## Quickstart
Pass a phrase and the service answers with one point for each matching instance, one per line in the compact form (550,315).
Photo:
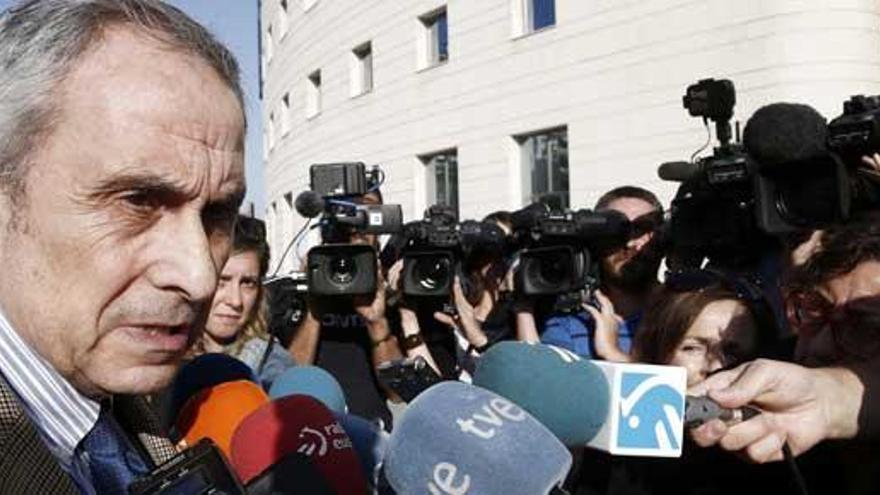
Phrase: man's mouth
(163,338)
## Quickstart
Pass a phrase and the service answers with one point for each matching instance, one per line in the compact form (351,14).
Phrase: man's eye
(141,200)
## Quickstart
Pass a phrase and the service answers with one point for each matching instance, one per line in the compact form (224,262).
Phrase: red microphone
(297,424)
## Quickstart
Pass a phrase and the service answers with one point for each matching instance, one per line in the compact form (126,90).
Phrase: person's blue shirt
(575,332)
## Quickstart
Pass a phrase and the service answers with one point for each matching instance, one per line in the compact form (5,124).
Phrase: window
(308,4)
(362,69)
(545,167)
(442,178)
(282,21)
(285,114)
(434,40)
(533,15)
(270,131)
(268,48)
(313,94)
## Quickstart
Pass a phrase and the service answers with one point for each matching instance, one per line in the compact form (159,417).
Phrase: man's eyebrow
(148,183)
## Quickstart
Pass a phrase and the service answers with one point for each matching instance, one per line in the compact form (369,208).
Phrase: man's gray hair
(41,41)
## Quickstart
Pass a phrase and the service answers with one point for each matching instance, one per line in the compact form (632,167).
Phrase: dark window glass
(543,13)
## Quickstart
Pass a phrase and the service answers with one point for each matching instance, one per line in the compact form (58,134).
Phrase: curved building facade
(488,104)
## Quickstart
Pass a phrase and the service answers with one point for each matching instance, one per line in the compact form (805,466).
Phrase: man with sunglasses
(627,276)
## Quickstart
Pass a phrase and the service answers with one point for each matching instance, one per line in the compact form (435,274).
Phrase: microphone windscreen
(297,423)
(215,412)
(309,204)
(312,381)
(567,394)
(294,474)
(458,438)
(678,171)
(369,440)
(785,133)
(203,372)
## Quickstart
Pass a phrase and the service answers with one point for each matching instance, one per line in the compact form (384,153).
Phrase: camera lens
(551,270)
(433,273)
(342,270)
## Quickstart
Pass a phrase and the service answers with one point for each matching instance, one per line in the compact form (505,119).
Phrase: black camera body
(286,296)
(715,213)
(339,268)
(857,132)
(561,248)
(436,247)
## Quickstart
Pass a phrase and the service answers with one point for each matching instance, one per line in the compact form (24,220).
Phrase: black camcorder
(791,173)
(562,248)
(435,248)
(340,267)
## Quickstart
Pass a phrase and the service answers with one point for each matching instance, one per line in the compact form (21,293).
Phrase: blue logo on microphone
(651,412)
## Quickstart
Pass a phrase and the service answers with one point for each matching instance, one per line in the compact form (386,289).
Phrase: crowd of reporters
(369,326)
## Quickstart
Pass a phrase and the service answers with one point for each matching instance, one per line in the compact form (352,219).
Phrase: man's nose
(184,261)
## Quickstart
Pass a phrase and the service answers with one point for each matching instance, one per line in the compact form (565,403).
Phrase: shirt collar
(62,414)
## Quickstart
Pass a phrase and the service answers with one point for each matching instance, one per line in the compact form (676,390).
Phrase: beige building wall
(611,71)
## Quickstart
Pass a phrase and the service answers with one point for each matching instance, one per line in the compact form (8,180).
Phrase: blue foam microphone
(567,394)
(623,408)
(312,381)
(456,438)
(370,442)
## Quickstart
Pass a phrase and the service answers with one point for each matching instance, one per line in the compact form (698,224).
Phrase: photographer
(349,337)
(627,277)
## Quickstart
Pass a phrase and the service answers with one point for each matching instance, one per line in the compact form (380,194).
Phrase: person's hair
(628,192)
(842,249)
(41,42)
(669,315)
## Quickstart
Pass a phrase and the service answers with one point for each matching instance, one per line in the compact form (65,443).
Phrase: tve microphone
(456,438)
(309,204)
(205,371)
(312,381)
(297,424)
(567,394)
(215,412)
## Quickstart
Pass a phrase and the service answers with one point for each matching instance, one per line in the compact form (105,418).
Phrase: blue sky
(235,23)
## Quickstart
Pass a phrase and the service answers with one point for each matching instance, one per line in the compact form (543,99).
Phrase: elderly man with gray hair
(121,172)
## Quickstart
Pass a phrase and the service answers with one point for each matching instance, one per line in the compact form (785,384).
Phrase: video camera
(562,248)
(712,214)
(435,248)
(791,174)
(339,267)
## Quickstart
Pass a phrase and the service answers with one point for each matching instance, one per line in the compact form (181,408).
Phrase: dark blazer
(26,464)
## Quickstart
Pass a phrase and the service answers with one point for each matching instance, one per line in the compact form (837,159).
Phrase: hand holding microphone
(799,407)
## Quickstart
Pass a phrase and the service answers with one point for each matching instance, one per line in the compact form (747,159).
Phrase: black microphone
(699,410)
(782,133)
(200,469)
(678,171)
(309,204)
